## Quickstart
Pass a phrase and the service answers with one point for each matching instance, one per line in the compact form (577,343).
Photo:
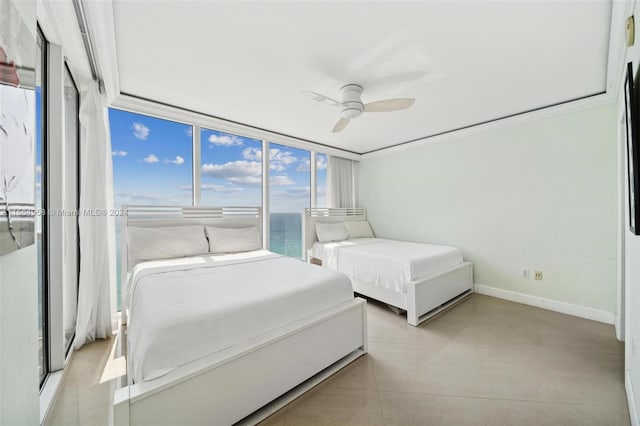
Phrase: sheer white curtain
(341,182)
(96,313)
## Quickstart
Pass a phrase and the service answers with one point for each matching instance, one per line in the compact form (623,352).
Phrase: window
(152,164)
(71,247)
(41,204)
(231,172)
(289,195)
(322,160)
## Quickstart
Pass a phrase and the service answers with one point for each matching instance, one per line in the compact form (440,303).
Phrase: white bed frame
(247,382)
(424,298)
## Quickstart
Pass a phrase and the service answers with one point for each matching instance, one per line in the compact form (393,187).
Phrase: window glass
(152,164)
(289,195)
(41,241)
(231,172)
(70,224)
(321,179)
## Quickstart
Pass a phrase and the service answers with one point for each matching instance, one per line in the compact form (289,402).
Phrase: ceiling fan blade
(341,124)
(324,99)
(389,105)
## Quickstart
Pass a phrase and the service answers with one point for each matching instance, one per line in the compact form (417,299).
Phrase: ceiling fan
(352,107)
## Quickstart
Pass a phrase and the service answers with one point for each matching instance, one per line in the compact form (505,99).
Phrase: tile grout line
(444,395)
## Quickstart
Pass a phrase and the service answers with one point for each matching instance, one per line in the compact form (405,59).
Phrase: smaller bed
(423,279)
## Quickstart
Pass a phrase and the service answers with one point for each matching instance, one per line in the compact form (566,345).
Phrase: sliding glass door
(71,249)
(41,206)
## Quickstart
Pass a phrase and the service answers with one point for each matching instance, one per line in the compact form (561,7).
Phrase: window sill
(49,392)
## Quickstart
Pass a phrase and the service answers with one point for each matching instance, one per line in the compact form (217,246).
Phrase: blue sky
(151,159)
(38,199)
(152,162)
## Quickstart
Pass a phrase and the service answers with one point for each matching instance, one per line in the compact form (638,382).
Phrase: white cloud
(321,162)
(213,188)
(178,160)
(296,193)
(247,180)
(221,188)
(140,131)
(39,170)
(280,181)
(119,153)
(283,158)
(225,140)
(189,131)
(135,198)
(253,154)
(305,166)
(278,160)
(150,159)
(240,172)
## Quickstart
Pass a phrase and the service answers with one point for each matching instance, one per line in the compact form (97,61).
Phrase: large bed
(422,279)
(216,338)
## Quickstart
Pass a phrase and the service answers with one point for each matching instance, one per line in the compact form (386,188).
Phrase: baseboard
(550,304)
(619,326)
(631,400)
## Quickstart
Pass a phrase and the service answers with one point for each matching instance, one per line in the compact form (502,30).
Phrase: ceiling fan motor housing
(353,106)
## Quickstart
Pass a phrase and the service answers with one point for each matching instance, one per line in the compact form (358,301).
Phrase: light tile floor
(86,394)
(484,362)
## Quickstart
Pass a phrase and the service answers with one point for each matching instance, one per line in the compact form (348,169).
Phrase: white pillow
(327,232)
(233,240)
(360,229)
(164,242)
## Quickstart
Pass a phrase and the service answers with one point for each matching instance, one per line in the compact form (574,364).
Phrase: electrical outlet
(537,275)
(524,273)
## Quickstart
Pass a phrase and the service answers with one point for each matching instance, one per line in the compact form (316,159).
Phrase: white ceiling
(464,62)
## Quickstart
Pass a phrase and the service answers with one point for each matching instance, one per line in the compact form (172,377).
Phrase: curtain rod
(88,46)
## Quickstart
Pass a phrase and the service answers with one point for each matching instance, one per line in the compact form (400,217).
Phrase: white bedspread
(184,309)
(387,263)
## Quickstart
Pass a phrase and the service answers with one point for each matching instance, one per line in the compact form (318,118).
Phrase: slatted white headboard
(157,216)
(327,215)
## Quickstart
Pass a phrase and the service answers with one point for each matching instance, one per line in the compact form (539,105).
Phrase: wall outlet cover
(537,275)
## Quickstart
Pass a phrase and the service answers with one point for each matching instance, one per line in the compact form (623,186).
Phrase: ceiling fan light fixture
(351,105)
(352,111)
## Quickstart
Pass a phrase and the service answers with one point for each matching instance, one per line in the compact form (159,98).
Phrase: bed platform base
(251,381)
(427,297)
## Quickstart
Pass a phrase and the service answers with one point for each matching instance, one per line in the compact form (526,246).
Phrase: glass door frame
(44,244)
(77,206)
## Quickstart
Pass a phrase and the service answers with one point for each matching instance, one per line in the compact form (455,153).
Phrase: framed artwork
(633,150)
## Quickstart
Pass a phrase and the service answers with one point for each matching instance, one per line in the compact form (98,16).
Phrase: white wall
(540,195)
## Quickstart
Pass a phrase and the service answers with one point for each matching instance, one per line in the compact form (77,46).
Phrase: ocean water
(285,234)
(285,237)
